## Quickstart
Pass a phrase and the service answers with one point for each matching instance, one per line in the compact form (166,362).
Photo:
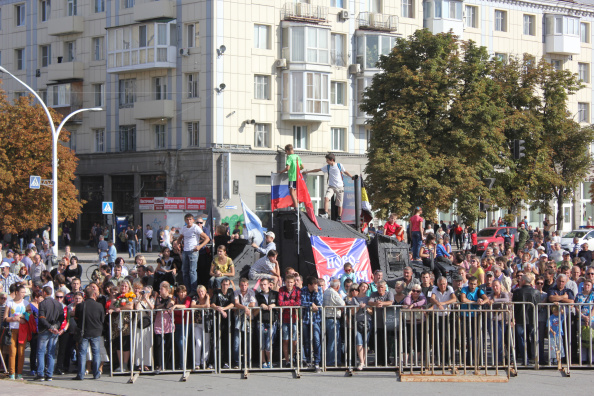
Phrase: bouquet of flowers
(124,299)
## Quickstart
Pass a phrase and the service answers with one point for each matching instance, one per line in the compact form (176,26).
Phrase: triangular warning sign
(35,182)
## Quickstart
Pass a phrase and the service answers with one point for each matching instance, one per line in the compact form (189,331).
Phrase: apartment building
(200,96)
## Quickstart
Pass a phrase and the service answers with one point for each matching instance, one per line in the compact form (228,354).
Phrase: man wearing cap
(268,244)
(6,278)
(566,260)
(487,286)
(586,254)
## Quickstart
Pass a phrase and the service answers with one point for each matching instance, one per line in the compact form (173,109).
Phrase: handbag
(6,334)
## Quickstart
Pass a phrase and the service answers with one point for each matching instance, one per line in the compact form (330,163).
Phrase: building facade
(200,96)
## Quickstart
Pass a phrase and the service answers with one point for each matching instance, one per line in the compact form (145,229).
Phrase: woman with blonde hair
(203,322)
(120,327)
(221,268)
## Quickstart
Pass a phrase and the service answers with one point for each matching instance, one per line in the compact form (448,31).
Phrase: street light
(55,135)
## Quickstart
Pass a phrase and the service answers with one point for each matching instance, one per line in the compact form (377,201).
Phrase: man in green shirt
(291,169)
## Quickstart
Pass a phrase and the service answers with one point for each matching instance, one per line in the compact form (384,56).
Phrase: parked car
(494,235)
(583,235)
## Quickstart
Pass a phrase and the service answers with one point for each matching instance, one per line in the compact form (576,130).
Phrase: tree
(26,150)
(438,126)
(562,151)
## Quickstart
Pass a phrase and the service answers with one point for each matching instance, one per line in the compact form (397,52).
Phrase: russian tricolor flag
(279,194)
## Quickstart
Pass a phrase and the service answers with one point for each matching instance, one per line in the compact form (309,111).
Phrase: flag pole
(272,211)
(297,208)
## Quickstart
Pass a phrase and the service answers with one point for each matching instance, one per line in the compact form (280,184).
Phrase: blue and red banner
(331,254)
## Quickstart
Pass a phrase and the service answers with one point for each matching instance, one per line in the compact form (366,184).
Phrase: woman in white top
(47,280)
(16,314)
(149,238)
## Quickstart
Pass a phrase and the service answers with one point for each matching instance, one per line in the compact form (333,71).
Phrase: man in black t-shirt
(267,300)
(132,239)
(223,300)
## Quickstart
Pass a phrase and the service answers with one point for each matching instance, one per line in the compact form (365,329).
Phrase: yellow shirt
(224,268)
(477,273)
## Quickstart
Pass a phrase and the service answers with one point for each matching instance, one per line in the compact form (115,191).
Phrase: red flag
(303,196)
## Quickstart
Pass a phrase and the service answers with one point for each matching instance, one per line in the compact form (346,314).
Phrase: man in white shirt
(193,240)
(335,173)
(333,334)
(441,297)
(245,298)
(268,244)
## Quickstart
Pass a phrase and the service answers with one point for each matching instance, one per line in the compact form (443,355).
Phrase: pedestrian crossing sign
(107,207)
(35,182)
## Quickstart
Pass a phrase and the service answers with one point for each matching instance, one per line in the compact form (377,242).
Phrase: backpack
(339,168)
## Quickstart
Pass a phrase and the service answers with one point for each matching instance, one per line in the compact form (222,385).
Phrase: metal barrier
(410,341)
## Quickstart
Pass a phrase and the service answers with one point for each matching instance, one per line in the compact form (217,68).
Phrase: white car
(583,235)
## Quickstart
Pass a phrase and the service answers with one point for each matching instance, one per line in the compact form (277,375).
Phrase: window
(307,44)
(455,10)
(99,94)
(19,94)
(300,137)
(99,5)
(19,15)
(160,136)
(306,93)
(263,208)
(556,64)
(71,7)
(126,92)
(193,134)
(583,112)
(44,10)
(69,51)
(142,36)
(46,55)
(262,36)
(127,3)
(584,32)
(160,86)
(562,25)
(584,72)
(127,138)
(317,45)
(338,138)
(471,16)
(192,31)
(60,95)
(337,53)
(262,87)
(97,43)
(337,3)
(263,180)
(262,135)
(529,25)
(43,95)
(407,9)
(500,21)
(337,91)
(501,57)
(99,140)
(370,47)
(19,55)
(192,84)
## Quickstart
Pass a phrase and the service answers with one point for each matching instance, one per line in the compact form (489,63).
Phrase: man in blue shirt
(472,297)
(111,253)
(312,300)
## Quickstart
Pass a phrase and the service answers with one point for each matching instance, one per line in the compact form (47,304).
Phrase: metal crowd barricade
(455,341)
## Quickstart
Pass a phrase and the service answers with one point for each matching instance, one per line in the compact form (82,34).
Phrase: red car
(489,235)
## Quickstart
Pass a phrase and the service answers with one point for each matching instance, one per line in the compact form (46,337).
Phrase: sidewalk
(27,388)
(88,255)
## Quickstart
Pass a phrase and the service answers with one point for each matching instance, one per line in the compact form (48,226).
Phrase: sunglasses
(415,291)
(540,283)
(59,296)
(200,223)
(355,290)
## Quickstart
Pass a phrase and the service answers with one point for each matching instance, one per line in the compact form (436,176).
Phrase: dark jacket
(272,299)
(524,313)
(51,315)
(94,315)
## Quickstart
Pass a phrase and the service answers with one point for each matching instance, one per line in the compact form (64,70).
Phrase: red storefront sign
(172,203)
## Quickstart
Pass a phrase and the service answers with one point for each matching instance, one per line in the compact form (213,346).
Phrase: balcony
(154,109)
(562,35)
(66,25)
(66,71)
(141,47)
(305,96)
(150,10)
(65,98)
(304,12)
(375,21)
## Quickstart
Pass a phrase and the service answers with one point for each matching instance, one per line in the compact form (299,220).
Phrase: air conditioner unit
(301,9)
(374,19)
(355,68)
(184,51)
(281,63)
(343,15)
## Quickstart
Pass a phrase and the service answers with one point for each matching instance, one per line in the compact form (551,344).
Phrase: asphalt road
(330,383)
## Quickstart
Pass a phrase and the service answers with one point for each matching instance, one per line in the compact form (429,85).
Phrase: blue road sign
(35,182)
(107,207)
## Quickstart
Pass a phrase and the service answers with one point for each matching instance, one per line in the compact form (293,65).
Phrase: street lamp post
(55,136)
